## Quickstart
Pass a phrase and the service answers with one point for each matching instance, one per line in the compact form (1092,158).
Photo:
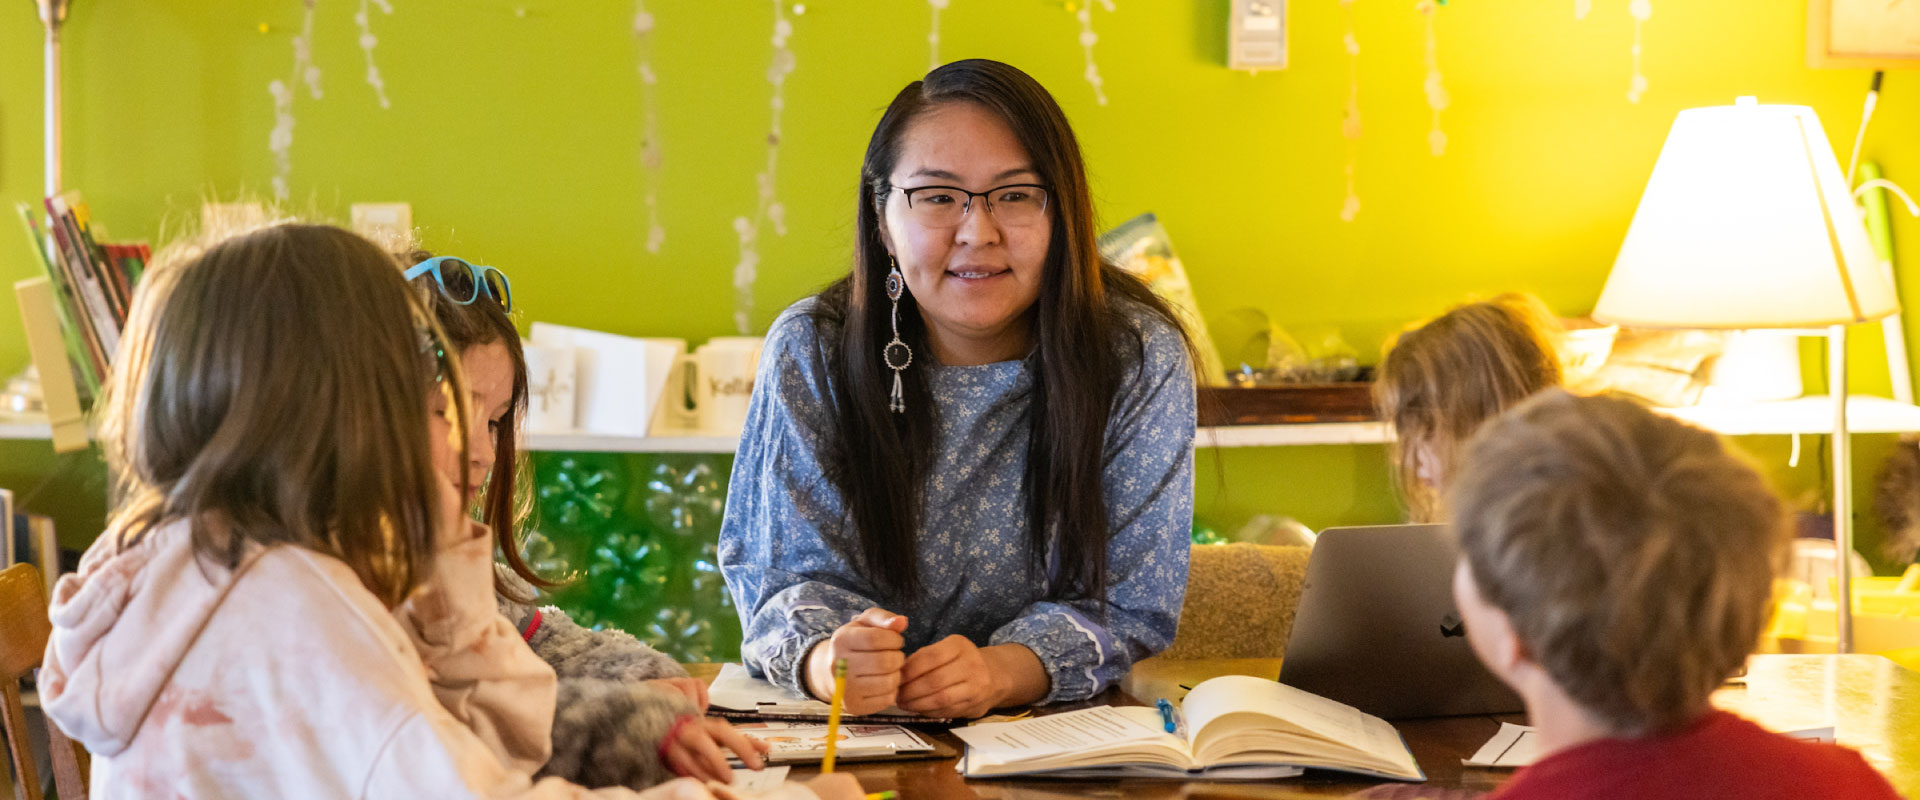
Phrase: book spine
(86,280)
(115,259)
(46,548)
(80,354)
(81,218)
(10,551)
(64,274)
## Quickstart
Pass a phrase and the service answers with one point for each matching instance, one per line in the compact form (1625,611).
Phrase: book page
(1328,719)
(1055,734)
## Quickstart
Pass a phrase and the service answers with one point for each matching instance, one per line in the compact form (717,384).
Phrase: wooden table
(1873,704)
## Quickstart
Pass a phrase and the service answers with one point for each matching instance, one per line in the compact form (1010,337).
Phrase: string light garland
(1083,11)
(1350,120)
(1436,88)
(933,35)
(280,140)
(651,158)
(1641,10)
(367,42)
(768,210)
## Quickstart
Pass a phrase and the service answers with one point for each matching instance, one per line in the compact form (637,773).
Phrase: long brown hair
(1439,381)
(1085,348)
(483,322)
(268,390)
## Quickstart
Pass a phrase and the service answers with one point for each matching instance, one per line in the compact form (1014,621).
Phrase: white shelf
(1305,433)
(24,428)
(1805,415)
(581,442)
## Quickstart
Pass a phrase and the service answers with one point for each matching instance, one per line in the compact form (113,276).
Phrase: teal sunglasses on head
(469,280)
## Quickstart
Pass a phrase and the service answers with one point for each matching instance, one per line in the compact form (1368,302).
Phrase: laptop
(1377,628)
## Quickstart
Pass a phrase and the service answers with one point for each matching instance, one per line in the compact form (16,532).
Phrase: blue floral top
(793,589)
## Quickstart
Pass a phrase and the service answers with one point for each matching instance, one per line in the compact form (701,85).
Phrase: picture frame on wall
(1863,34)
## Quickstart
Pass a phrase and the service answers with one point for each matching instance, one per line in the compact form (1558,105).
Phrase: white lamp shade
(1746,223)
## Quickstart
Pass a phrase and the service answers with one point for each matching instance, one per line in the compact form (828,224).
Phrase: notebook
(1234,728)
(735,694)
(806,742)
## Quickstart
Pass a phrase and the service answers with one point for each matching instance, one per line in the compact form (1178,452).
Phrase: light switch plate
(1257,35)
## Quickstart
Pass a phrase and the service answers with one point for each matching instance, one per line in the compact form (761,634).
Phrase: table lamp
(1748,223)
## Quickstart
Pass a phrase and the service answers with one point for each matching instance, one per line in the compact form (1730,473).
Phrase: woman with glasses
(967,471)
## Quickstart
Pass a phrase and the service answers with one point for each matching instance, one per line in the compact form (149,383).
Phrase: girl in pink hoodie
(284,570)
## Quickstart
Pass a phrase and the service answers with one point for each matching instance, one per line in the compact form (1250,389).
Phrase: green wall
(516,138)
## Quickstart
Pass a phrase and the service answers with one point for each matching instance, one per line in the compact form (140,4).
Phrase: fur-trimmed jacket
(608,723)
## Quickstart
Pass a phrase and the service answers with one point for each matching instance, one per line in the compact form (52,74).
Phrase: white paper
(1513,746)
(735,690)
(1822,734)
(747,781)
(550,395)
(617,379)
(1519,745)
(1055,734)
(662,354)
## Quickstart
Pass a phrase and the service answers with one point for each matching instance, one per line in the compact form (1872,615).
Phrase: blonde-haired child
(1616,567)
(1438,381)
(284,567)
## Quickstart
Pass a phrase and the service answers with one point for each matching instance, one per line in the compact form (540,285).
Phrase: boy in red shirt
(1616,568)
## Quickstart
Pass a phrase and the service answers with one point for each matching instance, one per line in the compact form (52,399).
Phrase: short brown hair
(1633,553)
(1440,380)
(269,389)
(481,322)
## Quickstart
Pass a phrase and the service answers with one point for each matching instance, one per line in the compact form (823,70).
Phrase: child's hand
(949,678)
(871,644)
(838,786)
(454,526)
(694,750)
(693,688)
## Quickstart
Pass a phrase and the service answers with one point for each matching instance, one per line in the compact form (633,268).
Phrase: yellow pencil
(833,713)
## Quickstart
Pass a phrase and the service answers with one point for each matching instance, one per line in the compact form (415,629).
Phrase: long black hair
(1084,348)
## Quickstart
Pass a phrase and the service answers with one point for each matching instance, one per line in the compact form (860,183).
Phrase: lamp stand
(53,14)
(1842,489)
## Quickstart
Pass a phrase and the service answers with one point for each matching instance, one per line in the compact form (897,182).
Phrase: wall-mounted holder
(1257,35)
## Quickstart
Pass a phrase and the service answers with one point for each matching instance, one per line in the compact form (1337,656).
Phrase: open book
(1236,727)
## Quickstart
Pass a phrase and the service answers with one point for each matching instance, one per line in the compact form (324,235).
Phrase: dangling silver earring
(896,350)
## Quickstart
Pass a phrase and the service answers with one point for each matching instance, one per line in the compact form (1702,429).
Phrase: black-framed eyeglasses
(463,282)
(1015,204)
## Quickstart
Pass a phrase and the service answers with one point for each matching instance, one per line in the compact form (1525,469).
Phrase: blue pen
(1166,715)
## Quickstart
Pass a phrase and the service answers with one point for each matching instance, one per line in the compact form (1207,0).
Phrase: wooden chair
(23,641)
(1240,601)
